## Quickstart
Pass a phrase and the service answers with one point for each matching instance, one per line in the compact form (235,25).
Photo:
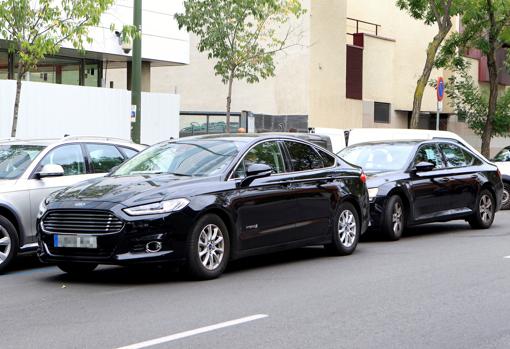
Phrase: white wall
(51,111)
(162,40)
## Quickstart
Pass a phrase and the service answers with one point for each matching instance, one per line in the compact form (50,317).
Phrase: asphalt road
(441,286)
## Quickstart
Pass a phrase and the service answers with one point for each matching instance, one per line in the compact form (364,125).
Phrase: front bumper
(127,246)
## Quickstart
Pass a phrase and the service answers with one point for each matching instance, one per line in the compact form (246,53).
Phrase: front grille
(81,221)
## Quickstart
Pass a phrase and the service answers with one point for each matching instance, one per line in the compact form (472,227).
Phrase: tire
(208,248)
(345,231)
(9,243)
(394,218)
(485,211)
(77,268)
(505,203)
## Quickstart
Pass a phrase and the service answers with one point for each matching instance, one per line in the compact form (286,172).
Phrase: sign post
(440,95)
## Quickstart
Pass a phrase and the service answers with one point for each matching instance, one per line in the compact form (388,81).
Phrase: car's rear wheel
(9,243)
(505,201)
(208,248)
(394,219)
(346,230)
(77,268)
(485,211)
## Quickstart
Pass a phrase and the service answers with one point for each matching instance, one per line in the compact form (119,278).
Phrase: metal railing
(358,21)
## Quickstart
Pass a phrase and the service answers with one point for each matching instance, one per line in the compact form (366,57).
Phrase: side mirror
(51,171)
(424,166)
(254,172)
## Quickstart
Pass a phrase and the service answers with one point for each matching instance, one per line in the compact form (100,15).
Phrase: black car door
(265,209)
(429,189)
(463,178)
(313,188)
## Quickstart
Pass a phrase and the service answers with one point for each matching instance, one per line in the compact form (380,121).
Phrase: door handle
(474,176)
(444,180)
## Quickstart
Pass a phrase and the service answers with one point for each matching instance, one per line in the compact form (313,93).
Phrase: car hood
(131,190)
(376,179)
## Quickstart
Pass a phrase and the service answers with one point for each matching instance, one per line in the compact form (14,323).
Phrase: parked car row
(203,201)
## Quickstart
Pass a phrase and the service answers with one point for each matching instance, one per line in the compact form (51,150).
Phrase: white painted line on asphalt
(201,330)
(507,257)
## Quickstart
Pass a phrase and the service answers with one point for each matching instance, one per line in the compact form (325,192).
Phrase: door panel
(430,190)
(266,208)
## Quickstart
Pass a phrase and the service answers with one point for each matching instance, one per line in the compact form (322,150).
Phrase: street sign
(440,89)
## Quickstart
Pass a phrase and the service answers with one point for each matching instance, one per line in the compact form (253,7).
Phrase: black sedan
(203,201)
(415,182)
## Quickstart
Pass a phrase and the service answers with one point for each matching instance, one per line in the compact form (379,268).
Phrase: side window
(70,157)
(104,157)
(328,160)
(267,153)
(471,160)
(129,152)
(303,157)
(455,156)
(429,153)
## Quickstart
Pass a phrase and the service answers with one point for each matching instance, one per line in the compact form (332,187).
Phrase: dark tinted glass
(104,157)
(129,152)
(503,155)
(303,157)
(267,153)
(327,159)
(455,156)
(429,153)
(70,157)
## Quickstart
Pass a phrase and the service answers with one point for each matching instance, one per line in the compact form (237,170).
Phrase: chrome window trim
(231,172)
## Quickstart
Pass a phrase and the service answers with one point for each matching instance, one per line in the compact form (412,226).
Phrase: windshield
(15,159)
(503,155)
(183,158)
(378,157)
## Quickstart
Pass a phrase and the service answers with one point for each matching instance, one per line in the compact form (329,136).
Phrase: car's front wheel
(77,268)
(208,248)
(505,201)
(394,219)
(485,211)
(346,230)
(8,243)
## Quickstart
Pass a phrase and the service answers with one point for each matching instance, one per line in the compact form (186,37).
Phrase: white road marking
(507,257)
(181,335)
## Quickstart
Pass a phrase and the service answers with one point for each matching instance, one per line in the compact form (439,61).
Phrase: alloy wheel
(5,244)
(347,228)
(486,209)
(505,198)
(397,217)
(211,246)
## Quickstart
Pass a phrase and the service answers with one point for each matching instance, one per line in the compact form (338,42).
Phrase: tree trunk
(229,98)
(493,83)
(14,128)
(425,75)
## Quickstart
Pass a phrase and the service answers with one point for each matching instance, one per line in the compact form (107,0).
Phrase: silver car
(30,170)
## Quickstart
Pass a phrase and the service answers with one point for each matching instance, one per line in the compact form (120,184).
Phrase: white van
(342,138)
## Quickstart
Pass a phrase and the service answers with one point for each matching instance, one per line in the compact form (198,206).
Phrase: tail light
(363,177)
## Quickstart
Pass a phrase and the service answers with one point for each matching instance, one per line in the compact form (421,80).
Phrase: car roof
(248,137)
(68,139)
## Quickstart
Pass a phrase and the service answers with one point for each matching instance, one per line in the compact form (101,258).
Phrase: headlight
(158,207)
(372,192)
(42,208)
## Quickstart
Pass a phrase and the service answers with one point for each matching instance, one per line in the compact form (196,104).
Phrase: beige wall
(201,90)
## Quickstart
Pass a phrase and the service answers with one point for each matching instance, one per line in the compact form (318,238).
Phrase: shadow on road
(25,263)
(419,231)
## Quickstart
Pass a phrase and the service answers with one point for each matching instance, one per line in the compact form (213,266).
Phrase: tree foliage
(37,28)
(242,36)
(439,12)
(486,28)
(471,102)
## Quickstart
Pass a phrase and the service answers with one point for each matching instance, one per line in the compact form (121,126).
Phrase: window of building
(382,112)
(4,65)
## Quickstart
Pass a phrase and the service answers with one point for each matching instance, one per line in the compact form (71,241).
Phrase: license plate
(75,241)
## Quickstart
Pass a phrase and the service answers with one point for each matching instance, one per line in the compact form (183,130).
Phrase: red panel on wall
(354,72)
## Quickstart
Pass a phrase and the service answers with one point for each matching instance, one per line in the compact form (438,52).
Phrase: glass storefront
(58,70)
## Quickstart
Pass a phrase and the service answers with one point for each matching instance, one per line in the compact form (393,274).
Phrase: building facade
(356,66)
